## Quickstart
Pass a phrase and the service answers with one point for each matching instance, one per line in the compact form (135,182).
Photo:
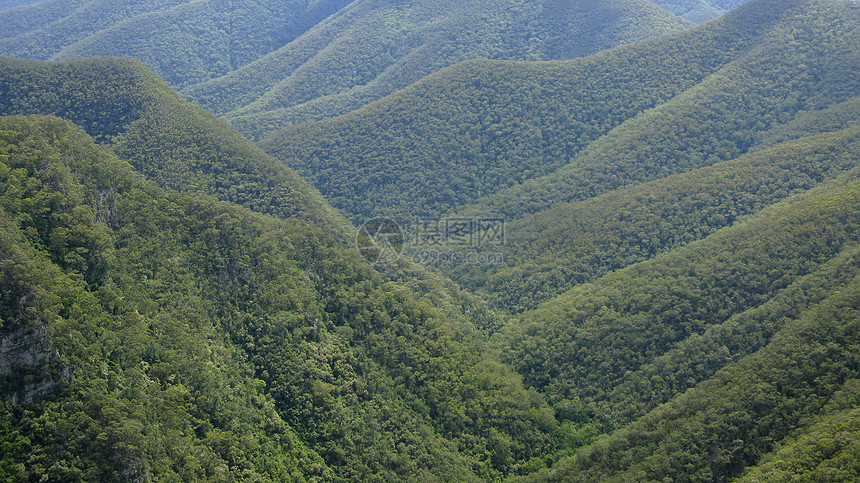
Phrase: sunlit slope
(122,103)
(183,41)
(509,139)
(370,49)
(142,325)
(573,243)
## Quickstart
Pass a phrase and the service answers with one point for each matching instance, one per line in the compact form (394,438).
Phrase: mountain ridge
(675,296)
(263,64)
(507,139)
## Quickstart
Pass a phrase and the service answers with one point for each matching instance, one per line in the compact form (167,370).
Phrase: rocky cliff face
(30,366)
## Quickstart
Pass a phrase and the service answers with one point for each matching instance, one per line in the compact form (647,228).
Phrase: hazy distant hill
(184,41)
(274,63)
(509,138)
(699,10)
(4,4)
(372,48)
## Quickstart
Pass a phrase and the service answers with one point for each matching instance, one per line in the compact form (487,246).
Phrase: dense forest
(172,326)
(442,324)
(177,144)
(548,253)
(510,139)
(699,10)
(376,47)
(675,286)
(224,36)
(264,64)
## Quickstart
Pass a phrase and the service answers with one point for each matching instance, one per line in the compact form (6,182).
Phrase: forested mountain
(710,295)
(675,297)
(372,48)
(801,390)
(313,60)
(694,200)
(129,310)
(550,252)
(699,10)
(523,137)
(175,143)
(102,378)
(184,41)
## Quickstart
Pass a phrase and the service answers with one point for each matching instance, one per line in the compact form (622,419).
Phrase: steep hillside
(678,278)
(146,326)
(184,41)
(682,293)
(108,377)
(691,328)
(548,253)
(699,10)
(801,391)
(398,355)
(508,139)
(829,448)
(798,67)
(372,48)
(122,103)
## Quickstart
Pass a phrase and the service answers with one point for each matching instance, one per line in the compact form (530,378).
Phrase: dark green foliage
(830,119)
(147,386)
(548,253)
(179,145)
(101,95)
(717,430)
(184,41)
(156,300)
(829,450)
(508,139)
(587,342)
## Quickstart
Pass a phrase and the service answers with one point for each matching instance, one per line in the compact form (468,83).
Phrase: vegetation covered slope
(690,328)
(550,252)
(122,103)
(800,390)
(174,336)
(312,60)
(679,294)
(707,328)
(508,139)
(699,10)
(111,378)
(372,48)
(184,41)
